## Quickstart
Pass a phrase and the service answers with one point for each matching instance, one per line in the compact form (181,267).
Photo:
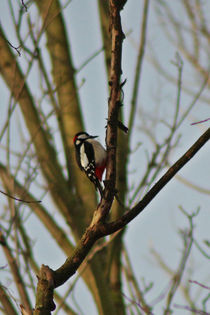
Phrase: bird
(91,158)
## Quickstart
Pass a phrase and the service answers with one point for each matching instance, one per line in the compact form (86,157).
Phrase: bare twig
(194,311)
(200,284)
(201,250)
(15,48)
(188,241)
(200,122)
(154,166)
(132,279)
(137,303)
(24,5)
(138,67)
(193,185)
(19,199)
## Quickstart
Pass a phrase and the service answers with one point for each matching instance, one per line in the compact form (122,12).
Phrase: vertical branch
(117,37)
(114,99)
(104,20)
(138,66)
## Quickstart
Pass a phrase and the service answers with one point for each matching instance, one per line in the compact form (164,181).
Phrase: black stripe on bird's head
(83,136)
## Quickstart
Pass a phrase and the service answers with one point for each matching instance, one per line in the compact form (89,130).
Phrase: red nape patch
(99,171)
(75,137)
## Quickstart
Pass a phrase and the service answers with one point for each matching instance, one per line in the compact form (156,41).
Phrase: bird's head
(81,137)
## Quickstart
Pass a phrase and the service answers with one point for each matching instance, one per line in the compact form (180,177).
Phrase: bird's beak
(92,137)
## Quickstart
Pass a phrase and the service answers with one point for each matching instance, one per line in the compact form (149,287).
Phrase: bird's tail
(100,188)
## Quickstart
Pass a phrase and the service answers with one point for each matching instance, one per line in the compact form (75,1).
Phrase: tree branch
(131,214)
(7,302)
(117,37)
(16,274)
(96,231)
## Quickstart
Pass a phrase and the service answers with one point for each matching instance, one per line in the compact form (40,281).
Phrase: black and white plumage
(91,157)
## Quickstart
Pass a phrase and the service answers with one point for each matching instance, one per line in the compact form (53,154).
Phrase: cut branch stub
(44,296)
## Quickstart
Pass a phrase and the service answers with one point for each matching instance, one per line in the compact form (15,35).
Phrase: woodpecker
(91,157)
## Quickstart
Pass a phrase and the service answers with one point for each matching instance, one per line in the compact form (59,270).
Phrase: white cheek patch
(77,142)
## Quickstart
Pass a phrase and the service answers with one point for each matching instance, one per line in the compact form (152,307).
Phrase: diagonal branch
(18,278)
(131,214)
(94,232)
(7,302)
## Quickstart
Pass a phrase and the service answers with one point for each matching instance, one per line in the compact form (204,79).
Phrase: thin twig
(19,199)
(187,308)
(200,122)
(138,66)
(24,5)
(200,284)
(188,242)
